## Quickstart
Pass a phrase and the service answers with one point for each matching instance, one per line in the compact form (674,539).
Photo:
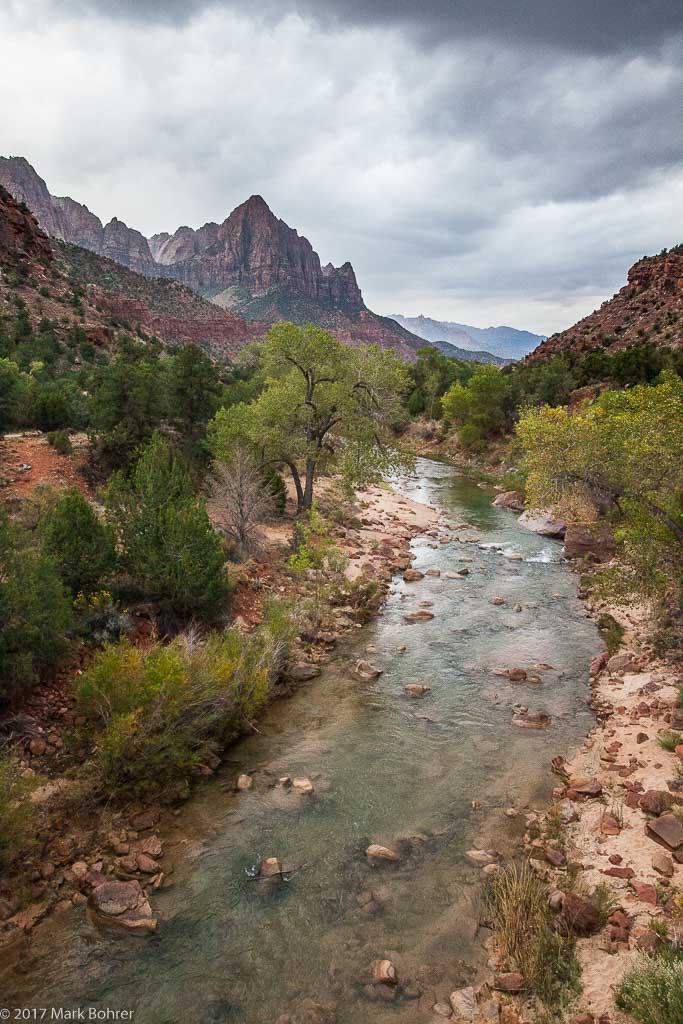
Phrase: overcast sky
(491,162)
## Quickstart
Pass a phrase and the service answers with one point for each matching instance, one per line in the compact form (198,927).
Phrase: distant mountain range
(504,342)
(253,264)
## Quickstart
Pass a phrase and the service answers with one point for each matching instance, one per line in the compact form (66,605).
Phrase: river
(387,769)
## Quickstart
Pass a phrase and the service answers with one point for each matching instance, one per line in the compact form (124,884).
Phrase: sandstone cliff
(22,242)
(649,308)
(69,221)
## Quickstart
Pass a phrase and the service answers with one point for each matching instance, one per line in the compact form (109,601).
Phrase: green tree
(127,404)
(622,455)
(324,405)
(168,548)
(483,408)
(432,374)
(81,546)
(35,610)
(13,390)
(193,394)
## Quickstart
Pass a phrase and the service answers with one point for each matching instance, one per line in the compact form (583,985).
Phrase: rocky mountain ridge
(649,308)
(506,343)
(252,265)
(74,287)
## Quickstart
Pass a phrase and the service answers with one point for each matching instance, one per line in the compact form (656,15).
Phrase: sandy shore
(606,832)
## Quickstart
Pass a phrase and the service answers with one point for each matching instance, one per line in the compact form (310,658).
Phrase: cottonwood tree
(242,498)
(622,455)
(324,406)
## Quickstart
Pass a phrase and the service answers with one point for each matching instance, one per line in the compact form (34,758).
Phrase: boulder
(270,868)
(303,785)
(464,1003)
(662,864)
(420,616)
(412,575)
(433,572)
(589,540)
(585,787)
(517,675)
(543,523)
(622,662)
(124,904)
(666,830)
(655,801)
(364,670)
(531,720)
(302,671)
(480,858)
(509,981)
(376,852)
(581,914)
(244,782)
(509,499)
(383,972)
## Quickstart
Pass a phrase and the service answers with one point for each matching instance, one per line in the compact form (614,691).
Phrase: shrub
(517,903)
(162,711)
(59,439)
(669,740)
(653,991)
(35,611)
(17,813)
(81,546)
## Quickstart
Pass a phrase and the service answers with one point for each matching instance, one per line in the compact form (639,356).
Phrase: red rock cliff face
(21,239)
(255,252)
(64,218)
(649,308)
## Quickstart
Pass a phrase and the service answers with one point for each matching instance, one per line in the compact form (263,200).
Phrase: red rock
(619,872)
(585,787)
(645,892)
(642,737)
(37,747)
(620,920)
(655,801)
(581,914)
(510,981)
(667,830)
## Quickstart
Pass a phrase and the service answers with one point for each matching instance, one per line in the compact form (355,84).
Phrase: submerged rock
(531,720)
(303,785)
(302,672)
(271,867)
(124,904)
(417,689)
(384,972)
(365,670)
(421,616)
(376,852)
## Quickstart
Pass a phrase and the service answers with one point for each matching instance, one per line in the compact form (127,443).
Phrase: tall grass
(517,903)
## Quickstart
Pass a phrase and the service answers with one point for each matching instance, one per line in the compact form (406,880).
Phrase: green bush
(168,549)
(653,990)
(81,546)
(17,813)
(162,711)
(35,610)
(59,439)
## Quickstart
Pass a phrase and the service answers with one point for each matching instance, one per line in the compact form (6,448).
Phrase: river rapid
(387,769)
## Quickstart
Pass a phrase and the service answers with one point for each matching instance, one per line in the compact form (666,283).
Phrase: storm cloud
(489,162)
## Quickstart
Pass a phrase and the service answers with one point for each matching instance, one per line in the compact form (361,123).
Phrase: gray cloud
(592,26)
(493,175)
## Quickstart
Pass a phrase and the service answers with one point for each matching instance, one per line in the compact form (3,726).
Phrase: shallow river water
(386,769)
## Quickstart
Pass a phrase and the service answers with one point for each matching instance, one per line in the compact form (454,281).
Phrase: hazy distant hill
(505,342)
(471,355)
